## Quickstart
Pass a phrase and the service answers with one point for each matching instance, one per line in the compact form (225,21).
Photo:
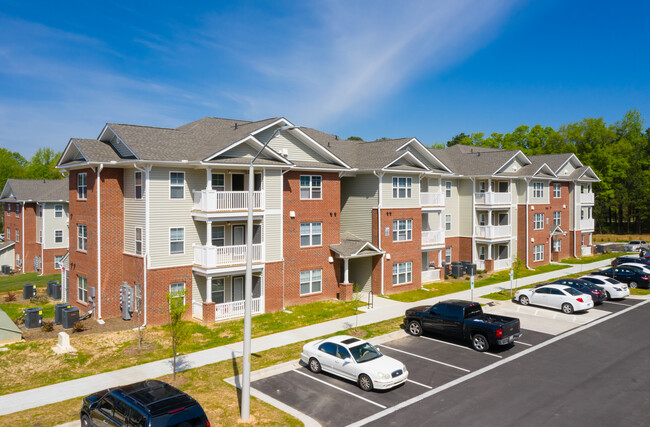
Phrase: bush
(47,327)
(78,327)
(20,320)
(11,296)
(40,299)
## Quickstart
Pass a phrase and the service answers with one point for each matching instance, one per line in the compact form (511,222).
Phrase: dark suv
(150,403)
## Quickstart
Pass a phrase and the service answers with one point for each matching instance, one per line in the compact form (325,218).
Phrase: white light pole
(248,287)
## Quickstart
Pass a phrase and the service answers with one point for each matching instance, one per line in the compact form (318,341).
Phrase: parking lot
(432,363)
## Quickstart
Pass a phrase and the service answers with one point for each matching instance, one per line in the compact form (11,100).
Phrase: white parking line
(619,303)
(426,358)
(462,346)
(340,389)
(421,385)
(524,343)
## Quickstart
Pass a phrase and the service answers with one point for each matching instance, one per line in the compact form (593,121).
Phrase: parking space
(617,305)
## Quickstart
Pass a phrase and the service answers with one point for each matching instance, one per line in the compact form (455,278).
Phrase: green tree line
(40,166)
(619,153)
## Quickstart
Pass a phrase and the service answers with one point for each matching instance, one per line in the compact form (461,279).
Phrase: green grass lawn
(15,283)
(594,258)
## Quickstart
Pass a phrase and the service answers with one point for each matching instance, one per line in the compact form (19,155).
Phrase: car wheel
(523,300)
(480,343)
(609,296)
(415,328)
(365,382)
(633,285)
(85,421)
(567,308)
(314,365)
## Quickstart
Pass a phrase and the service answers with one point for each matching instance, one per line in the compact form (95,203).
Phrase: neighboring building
(36,220)
(163,209)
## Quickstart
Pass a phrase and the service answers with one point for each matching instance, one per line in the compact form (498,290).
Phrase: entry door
(238,235)
(238,288)
(238,182)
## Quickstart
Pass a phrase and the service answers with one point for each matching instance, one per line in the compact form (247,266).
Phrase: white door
(238,288)
(238,235)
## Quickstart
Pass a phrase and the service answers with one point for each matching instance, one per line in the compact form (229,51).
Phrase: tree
(43,165)
(355,138)
(179,330)
(12,165)
(461,138)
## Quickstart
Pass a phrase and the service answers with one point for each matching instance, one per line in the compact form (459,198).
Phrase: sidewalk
(383,309)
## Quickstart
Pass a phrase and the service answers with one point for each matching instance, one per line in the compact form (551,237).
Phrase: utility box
(33,318)
(126,301)
(457,270)
(29,290)
(50,287)
(58,312)
(56,291)
(6,269)
(69,316)
(470,269)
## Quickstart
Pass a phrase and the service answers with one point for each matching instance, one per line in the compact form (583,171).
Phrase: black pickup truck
(464,320)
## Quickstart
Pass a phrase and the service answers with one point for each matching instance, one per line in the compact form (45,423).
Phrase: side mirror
(347,360)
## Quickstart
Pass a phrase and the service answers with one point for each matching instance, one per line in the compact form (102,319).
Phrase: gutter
(99,245)
(526,219)
(42,238)
(379,206)
(22,243)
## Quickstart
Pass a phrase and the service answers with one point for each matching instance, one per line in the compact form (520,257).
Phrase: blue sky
(429,69)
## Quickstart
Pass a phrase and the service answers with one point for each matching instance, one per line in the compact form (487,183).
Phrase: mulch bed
(91,327)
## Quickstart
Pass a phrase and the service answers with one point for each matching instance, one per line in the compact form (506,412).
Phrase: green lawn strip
(594,258)
(16,309)
(15,283)
(638,291)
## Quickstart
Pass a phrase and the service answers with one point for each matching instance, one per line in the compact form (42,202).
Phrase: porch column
(489,185)
(208,185)
(490,251)
(345,268)
(208,289)
(489,215)
(208,233)
(440,257)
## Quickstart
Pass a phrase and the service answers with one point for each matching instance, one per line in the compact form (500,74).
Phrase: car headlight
(618,289)
(383,376)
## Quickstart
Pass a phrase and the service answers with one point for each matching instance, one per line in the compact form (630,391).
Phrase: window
(447,188)
(218,235)
(401,188)
(176,185)
(481,252)
(219,290)
(310,282)
(481,219)
(138,185)
(177,240)
(8,236)
(82,288)
(58,211)
(538,221)
(177,293)
(310,187)
(82,186)
(448,255)
(538,253)
(218,182)
(17,235)
(538,189)
(557,218)
(310,234)
(557,190)
(557,245)
(402,273)
(82,237)
(138,241)
(58,236)
(57,261)
(40,236)
(448,222)
(402,230)
(40,210)
(17,210)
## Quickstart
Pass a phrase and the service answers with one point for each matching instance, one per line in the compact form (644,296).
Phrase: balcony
(587,224)
(230,310)
(430,276)
(501,264)
(225,201)
(492,231)
(433,237)
(492,198)
(222,256)
(587,198)
(432,199)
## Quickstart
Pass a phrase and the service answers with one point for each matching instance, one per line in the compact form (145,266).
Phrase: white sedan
(560,297)
(354,359)
(613,287)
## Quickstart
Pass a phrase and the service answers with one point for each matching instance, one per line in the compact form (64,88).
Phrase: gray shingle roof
(554,161)
(351,245)
(473,161)
(37,190)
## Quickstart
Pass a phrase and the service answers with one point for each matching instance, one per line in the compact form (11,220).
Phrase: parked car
(633,276)
(613,288)
(463,320)
(627,258)
(635,246)
(640,265)
(598,294)
(149,403)
(560,297)
(356,360)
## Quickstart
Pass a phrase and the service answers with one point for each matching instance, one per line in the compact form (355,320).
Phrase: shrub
(11,296)
(446,277)
(467,278)
(20,320)
(78,327)
(47,327)
(40,299)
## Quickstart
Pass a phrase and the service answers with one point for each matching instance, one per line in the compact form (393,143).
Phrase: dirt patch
(134,350)
(91,327)
(359,333)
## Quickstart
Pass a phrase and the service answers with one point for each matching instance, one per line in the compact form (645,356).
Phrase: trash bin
(29,290)
(33,318)
(58,312)
(70,316)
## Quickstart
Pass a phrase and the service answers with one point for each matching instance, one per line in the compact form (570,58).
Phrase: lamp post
(248,286)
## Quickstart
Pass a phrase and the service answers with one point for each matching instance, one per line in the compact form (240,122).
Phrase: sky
(429,69)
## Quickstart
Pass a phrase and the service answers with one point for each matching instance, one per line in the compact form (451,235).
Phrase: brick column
(489,265)
(208,313)
(345,291)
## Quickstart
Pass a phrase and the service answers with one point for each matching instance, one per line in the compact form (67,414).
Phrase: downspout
(474,218)
(575,220)
(281,234)
(145,259)
(22,243)
(379,206)
(526,221)
(42,237)
(99,245)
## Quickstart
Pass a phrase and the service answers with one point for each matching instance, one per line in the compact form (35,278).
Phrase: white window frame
(557,245)
(313,279)
(222,238)
(216,282)
(138,242)
(447,189)
(538,190)
(82,289)
(557,218)
(402,273)
(176,186)
(402,187)
(17,230)
(538,221)
(82,186)
(221,187)
(82,237)
(57,238)
(176,241)
(448,222)
(402,230)
(40,236)
(177,285)
(448,255)
(137,176)
(58,211)
(57,262)
(538,253)
(313,232)
(557,190)
(312,188)
(17,210)
(7,234)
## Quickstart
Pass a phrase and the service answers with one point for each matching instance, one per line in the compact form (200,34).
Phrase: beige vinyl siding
(360,273)
(463,222)
(432,185)
(451,207)
(513,166)
(297,150)
(8,257)
(198,288)
(566,170)
(52,223)
(39,223)
(539,200)
(242,150)
(432,221)
(134,211)
(520,191)
(358,198)
(166,213)
(387,192)
(272,228)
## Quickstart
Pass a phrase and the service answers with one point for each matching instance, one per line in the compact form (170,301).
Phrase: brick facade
(561,204)
(461,248)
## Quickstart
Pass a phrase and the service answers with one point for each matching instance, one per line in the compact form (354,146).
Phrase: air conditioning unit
(29,290)
(33,318)
(69,317)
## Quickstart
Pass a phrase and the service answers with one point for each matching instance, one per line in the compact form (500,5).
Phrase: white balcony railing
(217,256)
(480,264)
(197,310)
(501,264)
(492,198)
(587,224)
(433,237)
(229,310)
(215,201)
(430,276)
(492,231)
(432,199)
(586,250)
(587,198)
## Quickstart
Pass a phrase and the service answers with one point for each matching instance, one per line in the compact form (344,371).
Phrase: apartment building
(36,220)
(161,209)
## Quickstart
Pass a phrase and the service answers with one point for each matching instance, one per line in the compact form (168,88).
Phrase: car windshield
(612,281)
(572,291)
(364,352)
(591,286)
